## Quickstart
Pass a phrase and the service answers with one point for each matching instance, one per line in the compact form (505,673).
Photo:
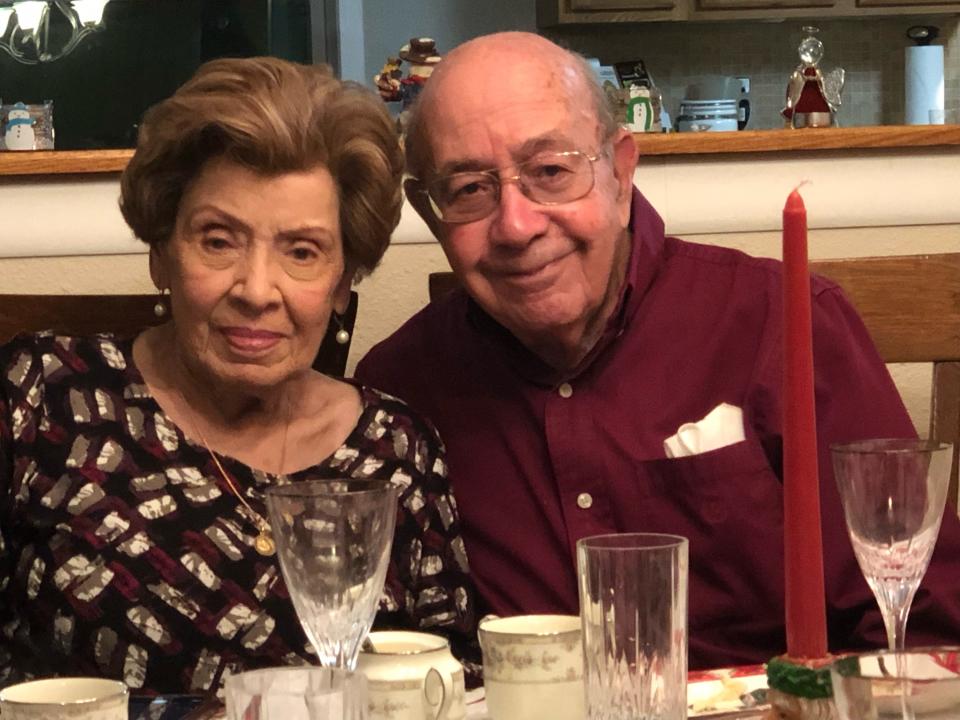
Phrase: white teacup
(412,676)
(73,698)
(533,667)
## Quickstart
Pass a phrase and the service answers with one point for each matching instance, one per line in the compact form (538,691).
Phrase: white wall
(870,203)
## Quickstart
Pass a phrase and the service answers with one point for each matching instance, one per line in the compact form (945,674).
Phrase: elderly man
(583,338)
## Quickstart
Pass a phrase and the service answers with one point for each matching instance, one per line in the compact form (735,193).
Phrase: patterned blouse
(124,554)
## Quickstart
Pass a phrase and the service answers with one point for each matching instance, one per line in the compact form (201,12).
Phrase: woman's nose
(255,279)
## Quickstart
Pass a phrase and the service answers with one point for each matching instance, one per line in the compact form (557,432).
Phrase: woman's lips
(250,340)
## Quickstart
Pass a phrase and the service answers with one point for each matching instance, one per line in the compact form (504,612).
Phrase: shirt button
(584,500)
(565,390)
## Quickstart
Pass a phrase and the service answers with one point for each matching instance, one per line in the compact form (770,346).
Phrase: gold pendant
(264,544)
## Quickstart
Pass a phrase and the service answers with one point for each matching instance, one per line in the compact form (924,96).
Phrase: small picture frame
(26,127)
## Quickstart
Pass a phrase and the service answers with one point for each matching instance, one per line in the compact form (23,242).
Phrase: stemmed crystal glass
(893,495)
(333,541)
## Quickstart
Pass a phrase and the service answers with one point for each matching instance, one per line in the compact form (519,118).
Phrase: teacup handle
(438,683)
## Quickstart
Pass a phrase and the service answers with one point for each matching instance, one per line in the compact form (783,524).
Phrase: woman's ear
(341,293)
(159,270)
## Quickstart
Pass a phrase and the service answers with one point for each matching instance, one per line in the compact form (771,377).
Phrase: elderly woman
(135,541)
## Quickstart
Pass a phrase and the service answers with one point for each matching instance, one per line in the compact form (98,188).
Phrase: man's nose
(518,219)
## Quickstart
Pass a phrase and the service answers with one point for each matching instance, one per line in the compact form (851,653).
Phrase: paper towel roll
(923,83)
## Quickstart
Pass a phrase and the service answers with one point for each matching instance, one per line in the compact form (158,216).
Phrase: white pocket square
(720,427)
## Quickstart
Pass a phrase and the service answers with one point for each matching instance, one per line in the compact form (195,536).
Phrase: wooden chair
(440,283)
(911,306)
(127,315)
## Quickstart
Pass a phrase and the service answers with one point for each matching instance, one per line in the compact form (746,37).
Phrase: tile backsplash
(871,51)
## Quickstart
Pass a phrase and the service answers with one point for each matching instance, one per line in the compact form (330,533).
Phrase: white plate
(725,692)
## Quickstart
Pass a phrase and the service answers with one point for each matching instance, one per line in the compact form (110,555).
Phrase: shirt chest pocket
(731,488)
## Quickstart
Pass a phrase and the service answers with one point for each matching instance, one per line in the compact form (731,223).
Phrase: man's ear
(159,272)
(417,196)
(624,163)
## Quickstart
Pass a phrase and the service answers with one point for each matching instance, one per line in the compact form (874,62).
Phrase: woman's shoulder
(49,340)
(73,352)
(59,363)
(391,409)
(387,440)
(386,422)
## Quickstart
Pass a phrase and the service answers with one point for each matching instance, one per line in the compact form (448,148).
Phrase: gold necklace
(263,543)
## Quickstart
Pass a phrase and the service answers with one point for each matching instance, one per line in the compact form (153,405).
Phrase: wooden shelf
(97,162)
(64,162)
(765,141)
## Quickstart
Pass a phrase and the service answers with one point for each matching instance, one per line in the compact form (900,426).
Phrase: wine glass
(893,495)
(333,540)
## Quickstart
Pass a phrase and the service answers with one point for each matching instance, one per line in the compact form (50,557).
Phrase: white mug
(73,698)
(533,667)
(412,676)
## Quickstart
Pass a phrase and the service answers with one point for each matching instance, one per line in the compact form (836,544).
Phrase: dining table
(722,694)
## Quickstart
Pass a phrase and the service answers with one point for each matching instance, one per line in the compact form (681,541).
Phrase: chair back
(910,304)
(127,316)
(440,283)
(911,307)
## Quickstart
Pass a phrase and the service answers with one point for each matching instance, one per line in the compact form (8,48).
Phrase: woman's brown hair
(274,117)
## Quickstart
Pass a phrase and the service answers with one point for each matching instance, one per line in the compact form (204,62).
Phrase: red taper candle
(803,545)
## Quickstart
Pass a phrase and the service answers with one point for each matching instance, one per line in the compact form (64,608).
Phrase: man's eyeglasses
(549,178)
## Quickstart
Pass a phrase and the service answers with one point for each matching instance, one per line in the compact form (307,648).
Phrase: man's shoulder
(721,257)
(760,271)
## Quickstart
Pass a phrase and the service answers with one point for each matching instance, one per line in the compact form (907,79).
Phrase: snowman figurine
(18,131)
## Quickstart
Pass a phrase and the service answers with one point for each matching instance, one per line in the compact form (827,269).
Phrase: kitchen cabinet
(551,13)
(565,12)
(760,4)
(618,5)
(909,6)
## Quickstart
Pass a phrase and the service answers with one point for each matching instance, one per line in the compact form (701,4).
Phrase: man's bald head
(507,58)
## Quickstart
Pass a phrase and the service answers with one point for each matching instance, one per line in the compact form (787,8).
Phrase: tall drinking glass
(893,495)
(291,693)
(333,541)
(633,608)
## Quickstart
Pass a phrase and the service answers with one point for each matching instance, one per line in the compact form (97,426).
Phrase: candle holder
(813,97)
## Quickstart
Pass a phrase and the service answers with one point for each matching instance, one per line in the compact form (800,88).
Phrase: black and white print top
(124,554)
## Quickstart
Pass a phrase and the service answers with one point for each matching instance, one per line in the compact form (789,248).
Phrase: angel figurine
(813,97)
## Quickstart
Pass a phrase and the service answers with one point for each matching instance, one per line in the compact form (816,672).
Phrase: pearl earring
(343,335)
(160,308)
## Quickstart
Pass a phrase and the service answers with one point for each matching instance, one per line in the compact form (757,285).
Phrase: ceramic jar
(413,676)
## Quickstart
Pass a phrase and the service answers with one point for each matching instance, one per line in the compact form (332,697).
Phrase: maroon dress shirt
(539,460)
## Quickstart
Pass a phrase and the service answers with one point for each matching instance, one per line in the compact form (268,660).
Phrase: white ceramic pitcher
(413,676)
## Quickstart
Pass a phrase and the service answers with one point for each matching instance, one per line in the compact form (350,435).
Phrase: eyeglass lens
(547,178)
